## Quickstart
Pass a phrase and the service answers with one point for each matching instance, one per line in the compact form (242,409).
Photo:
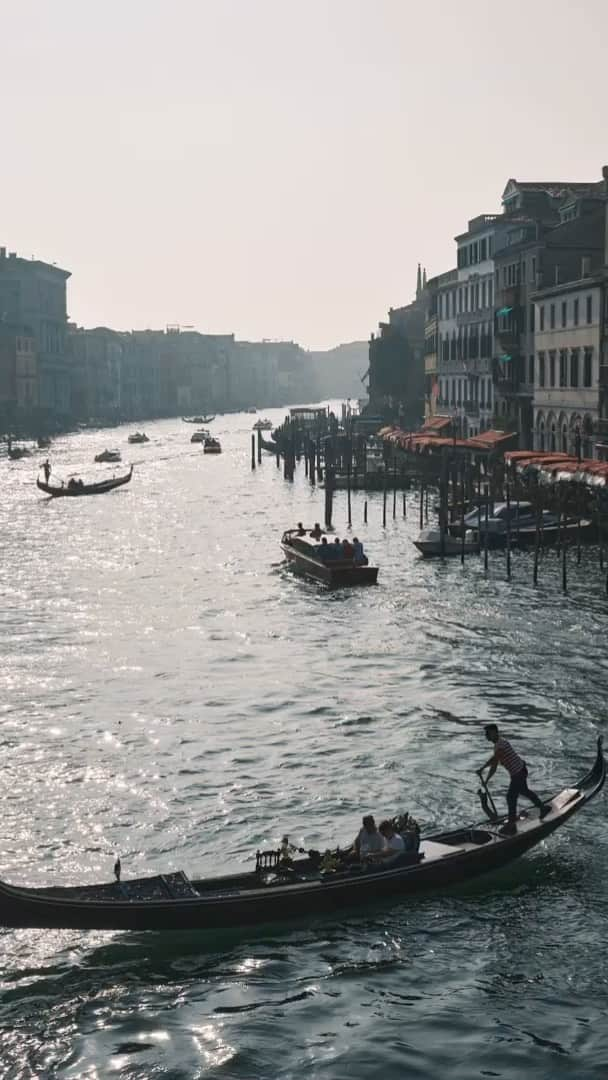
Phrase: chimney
(585,266)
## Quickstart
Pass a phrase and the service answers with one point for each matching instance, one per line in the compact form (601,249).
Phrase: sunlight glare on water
(170,692)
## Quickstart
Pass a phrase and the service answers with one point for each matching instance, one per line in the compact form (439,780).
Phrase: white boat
(108,455)
(429,543)
(263,425)
(138,437)
(200,435)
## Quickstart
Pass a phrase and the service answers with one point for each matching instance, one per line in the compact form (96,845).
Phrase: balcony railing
(471,408)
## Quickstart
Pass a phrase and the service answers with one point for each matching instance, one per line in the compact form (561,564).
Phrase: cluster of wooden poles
(466,485)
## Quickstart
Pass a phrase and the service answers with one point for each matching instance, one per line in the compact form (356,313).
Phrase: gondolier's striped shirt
(507,756)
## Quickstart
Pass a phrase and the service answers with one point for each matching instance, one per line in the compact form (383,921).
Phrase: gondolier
(505,755)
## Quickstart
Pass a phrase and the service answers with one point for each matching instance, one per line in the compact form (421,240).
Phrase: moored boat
(108,456)
(198,419)
(429,543)
(262,425)
(319,558)
(77,487)
(279,889)
(138,437)
(212,446)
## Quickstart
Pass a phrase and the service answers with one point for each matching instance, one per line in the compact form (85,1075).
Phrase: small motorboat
(15,453)
(75,487)
(199,436)
(252,409)
(310,556)
(198,419)
(43,442)
(429,543)
(138,438)
(262,425)
(108,456)
(279,887)
(212,446)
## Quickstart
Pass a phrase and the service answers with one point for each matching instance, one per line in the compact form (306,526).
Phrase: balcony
(601,427)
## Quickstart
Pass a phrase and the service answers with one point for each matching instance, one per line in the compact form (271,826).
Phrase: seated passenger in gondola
(368,841)
(348,550)
(338,549)
(72,483)
(394,844)
(329,551)
(301,531)
(317,532)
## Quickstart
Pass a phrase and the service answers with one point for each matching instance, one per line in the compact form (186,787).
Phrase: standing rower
(505,755)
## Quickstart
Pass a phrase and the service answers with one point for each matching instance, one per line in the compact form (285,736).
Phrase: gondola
(198,419)
(303,555)
(99,488)
(275,890)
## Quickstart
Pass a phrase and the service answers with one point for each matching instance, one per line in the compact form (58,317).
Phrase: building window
(551,367)
(552,316)
(531,369)
(453,303)
(574,367)
(588,367)
(564,438)
(532,308)
(575,312)
(482,252)
(563,368)
(564,312)
(533,274)
(590,309)
(490,283)
(523,272)
(541,369)
(541,317)
(483,294)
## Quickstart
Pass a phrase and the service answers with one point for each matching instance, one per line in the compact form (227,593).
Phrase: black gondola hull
(100,488)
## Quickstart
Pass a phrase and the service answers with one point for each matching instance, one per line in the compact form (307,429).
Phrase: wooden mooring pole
(253,452)
(259,447)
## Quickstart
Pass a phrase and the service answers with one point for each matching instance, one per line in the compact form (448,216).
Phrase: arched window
(564,446)
(553,439)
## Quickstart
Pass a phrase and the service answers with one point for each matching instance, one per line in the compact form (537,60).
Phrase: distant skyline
(276,168)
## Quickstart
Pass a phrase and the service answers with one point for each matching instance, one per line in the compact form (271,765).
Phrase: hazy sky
(277,168)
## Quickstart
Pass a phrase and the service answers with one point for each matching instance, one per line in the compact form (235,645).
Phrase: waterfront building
(96,369)
(565,373)
(33,295)
(396,362)
(18,375)
(471,348)
(549,227)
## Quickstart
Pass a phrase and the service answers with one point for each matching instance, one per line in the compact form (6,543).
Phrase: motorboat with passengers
(316,555)
(280,887)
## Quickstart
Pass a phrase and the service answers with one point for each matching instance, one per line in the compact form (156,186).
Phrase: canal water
(170,692)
